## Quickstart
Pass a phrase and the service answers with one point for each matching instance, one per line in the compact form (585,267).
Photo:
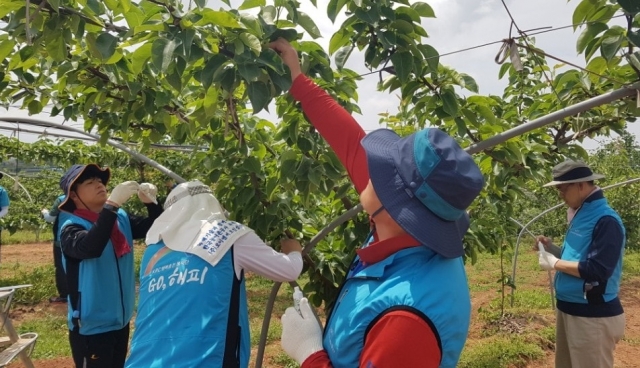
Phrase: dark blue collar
(594,196)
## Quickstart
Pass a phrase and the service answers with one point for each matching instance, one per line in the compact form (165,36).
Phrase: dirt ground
(627,353)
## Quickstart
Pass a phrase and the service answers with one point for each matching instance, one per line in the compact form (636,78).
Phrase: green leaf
(587,35)
(35,107)
(55,46)
(582,11)
(449,102)
(259,95)
(201,4)
(249,71)
(338,40)
(634,37)
(403,65)
(342,55)
(219,18)
(610,46)
(282,81)
(424,9)
(55,5)
(431,56)
(461,126)
(469,83)
(252,165)
(370,16)
(252,42)
(402,26)
(309,25)
(288,34)
(213,65)
(249,4)
(162,53)
(210,101)
(174,80)
(6,48)
(630,6)
(334,7)
(597,65)
(106,45)
(140,57)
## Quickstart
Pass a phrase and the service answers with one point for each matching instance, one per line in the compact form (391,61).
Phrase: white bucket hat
(194,222)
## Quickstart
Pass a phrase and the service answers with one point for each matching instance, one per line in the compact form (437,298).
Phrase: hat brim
(580,180)
(103,174)
(441,236)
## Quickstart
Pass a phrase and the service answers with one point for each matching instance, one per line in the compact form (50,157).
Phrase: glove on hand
(122,192)
(301,333)
(547,260)
(147,193)
(44,211)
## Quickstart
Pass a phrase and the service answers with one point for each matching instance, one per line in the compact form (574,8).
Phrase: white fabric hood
(193,221)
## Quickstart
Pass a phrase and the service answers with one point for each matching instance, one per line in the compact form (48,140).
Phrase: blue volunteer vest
(183,311)
(106,285)
(575,247)
(416,278)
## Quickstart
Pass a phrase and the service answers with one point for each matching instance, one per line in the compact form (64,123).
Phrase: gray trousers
(583,342)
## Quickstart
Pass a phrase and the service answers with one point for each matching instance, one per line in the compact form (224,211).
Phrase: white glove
(301,333)
(147,193)
(122,192)
(44,212)
(547,260)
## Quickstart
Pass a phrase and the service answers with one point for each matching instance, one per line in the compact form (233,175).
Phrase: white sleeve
(250,253)
(4,211)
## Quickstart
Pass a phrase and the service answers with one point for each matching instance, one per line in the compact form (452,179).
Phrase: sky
(459,24)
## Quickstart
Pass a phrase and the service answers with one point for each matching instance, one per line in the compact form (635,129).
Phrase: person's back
(183,305)
(192,309)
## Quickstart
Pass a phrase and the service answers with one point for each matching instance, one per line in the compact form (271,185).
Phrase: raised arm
(332,121)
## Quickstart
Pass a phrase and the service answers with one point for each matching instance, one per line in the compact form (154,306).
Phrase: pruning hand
(289,56)
(147,193)
(547,260)
(122,192)
(301,333)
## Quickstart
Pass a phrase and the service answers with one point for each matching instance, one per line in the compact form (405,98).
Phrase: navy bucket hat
(77,172)
(425,181)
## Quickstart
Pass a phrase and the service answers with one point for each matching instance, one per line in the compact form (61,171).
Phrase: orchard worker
(192,309)
(51,216)
(590,319)
(96,237)
(405,300)
(4,204)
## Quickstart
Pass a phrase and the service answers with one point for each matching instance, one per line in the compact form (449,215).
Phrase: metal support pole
(111,142)
(553,117)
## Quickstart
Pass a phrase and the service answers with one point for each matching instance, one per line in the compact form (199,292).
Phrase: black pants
(61,279)
(104,350)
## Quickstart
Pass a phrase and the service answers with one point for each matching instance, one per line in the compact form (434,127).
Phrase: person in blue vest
(4,204)
(405,300)
(96,237)
(192,309)
(589,316)
(51,216)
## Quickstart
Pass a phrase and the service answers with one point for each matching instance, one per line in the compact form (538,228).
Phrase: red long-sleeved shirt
(399,338)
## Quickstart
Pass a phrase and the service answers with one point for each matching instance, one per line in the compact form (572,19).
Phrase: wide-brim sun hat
(571,171)
(426,182)
(74,173)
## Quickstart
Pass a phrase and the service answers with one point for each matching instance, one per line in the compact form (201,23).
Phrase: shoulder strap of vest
(231,357)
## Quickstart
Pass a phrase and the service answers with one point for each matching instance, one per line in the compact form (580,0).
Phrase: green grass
(27,237)
(53,338)
(500,352)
